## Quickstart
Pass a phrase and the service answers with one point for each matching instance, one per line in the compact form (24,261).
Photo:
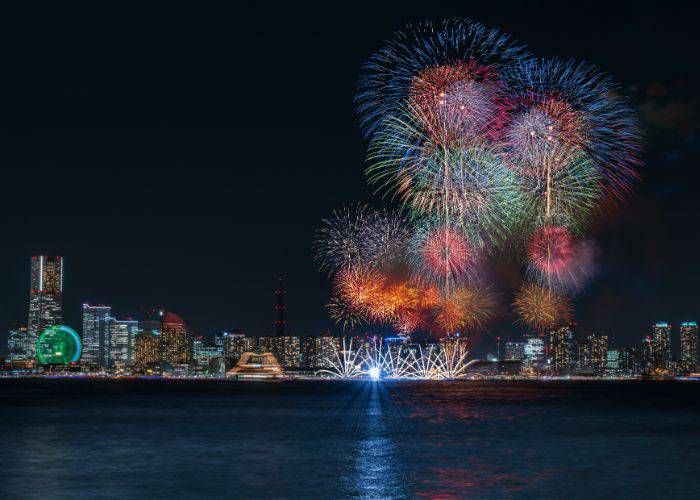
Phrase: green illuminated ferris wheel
(58,344)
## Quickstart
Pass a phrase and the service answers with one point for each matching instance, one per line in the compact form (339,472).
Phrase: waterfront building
(147,347)
(288,351)
(235,344)
(662,355)
(121,335)
(95,335)
(593,353)
(689,346)
(515,351)
(174,339)
(45,298)
(534,351)
(17,343)
(266,344)
(325,348)
(613,361)
(203,352)
(560,349)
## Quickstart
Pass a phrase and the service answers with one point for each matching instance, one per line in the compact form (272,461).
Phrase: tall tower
(689,346)
(279,308)
(96,334)
(662,345)
(45,297)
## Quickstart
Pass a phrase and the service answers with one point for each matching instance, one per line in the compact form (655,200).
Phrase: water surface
(320,439)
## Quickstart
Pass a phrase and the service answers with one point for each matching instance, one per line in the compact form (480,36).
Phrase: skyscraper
(593,353)
(95,335)
(279,308)
(45,298)
(661,335)
(560,348)
(689,346)
(174,339)
(121,334)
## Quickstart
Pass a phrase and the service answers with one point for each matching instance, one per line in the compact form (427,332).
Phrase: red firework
(551,250)
(461,100)
(446,252)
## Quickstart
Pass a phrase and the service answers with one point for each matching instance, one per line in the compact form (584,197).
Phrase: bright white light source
(373,373)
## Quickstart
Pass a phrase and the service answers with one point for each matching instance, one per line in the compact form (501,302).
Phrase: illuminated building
(235,344)
(266,344)
(256,366)
(279,309)
(17,343)
(147,347)
(203,353)
(629,360)
(121,335)
(560,349)
(534,350)
(593,353)
(174,339)
(58,344)
(325,346)
(515,351)
(45,297)
(288,351)
(689,346)
(661,335)
(613,361)
(95,335)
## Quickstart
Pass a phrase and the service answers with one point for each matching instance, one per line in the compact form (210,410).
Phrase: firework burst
(541,308)
(440,67)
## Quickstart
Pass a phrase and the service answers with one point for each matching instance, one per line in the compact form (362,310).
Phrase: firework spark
(541,308)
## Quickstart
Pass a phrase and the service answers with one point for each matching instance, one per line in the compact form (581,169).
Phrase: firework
(442,254)
(467,183)
(557,260)
(463,309)
(345,361)
(340,242)
(358,235)
(540,307)
(440,68)
(561,106)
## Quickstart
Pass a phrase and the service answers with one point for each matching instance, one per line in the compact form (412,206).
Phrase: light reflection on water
(348,439)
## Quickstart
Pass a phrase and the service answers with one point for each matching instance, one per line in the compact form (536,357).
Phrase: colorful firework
(463,309)
(541,308)
(573,106)
(409,67)
(442,254)
(558,260)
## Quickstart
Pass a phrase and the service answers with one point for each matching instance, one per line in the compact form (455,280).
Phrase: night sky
(184,159)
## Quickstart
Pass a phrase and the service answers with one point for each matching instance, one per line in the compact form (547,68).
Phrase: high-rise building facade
(95,334)
(147,348)
(593,353)
(288,351)
(515,351)
(174,339)
(534,351)
(325,348)
(689,346)
(17,343)
(45,298)
(203,352)
(560,349)
(662,354)
(121,334)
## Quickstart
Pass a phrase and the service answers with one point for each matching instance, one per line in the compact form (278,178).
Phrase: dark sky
(184,158)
